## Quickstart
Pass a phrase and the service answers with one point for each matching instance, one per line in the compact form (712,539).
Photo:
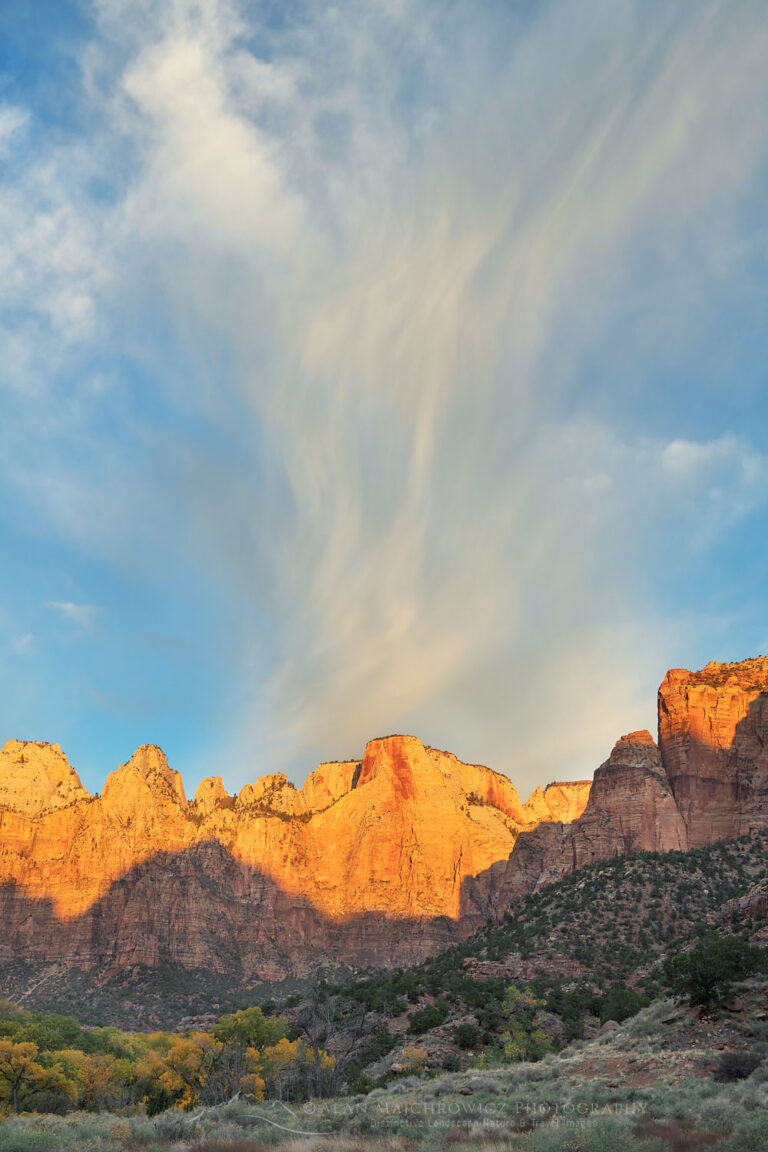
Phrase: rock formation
(37,777)
(713,735)
(258,884)
(751,907)
(706,781)
(378,861)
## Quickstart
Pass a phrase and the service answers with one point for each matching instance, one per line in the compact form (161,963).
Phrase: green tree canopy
(707,973)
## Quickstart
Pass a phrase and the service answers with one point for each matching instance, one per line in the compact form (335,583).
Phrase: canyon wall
(713,736)
(366,862)
(381,861)
(706,780)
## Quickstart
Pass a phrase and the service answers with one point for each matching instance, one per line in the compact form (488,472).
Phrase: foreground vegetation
(643,1086)
(51,1064)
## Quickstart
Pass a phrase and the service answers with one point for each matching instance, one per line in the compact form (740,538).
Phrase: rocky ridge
(380,861)
(258,883)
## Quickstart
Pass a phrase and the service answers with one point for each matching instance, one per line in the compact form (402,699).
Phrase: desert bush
(423,1019)
(22,1137)
(206,1145)
(599,1135)
(736,1065)
(468,1035)
(749,1135)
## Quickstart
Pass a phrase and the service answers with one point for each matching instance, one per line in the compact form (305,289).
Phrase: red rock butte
(378,861)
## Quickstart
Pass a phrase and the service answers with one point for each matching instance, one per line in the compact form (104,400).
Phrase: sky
(381,366)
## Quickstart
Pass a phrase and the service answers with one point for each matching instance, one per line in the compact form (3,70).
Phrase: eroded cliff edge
(706,780)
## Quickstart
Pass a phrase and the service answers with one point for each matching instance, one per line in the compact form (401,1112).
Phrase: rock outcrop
(752,906)
(713,735)
(366,862)
(35,777)
(707,780)
(630,808)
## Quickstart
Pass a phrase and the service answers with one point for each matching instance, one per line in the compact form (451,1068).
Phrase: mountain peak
(148,768)
(400,759)
(211,794)
(35,777)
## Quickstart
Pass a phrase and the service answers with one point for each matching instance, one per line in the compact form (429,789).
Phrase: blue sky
(377,367)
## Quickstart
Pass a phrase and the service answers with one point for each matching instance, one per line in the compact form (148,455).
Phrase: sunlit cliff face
(396,833)
(381,861)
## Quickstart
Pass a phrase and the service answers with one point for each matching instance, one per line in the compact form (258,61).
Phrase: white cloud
(378,239)
(22,644)
(13,121)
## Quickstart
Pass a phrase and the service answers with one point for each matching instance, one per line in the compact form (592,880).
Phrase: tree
(324,1025)
(288,1068)
(706,974)
(186,1070)
(250,1028)
(102,1081)
(521,1040)
(619,1003)
(468,1035)
(242,1034)
(22,1077)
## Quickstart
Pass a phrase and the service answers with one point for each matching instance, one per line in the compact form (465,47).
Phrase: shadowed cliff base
(201,909)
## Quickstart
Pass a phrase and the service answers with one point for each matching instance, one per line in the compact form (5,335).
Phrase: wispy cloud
(12,122)
(80,615)
(22,644)
(376,251)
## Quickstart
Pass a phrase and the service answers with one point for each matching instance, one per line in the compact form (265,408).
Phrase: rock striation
(258,884)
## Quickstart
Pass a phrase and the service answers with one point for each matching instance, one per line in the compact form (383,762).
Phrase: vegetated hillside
(613,919)
(139,998)
(483,1036)
(607,922)
(585,950)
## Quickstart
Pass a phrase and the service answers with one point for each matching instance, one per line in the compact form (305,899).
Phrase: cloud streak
(80,615)
(372,252)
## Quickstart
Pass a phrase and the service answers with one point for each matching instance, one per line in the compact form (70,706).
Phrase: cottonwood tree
(22,1077)
(331,1034)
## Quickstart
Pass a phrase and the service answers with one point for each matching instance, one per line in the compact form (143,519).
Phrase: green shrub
(749,1135)
(736,1065)
(619,1003)
(423,1019)
(468,1035)
(706,974)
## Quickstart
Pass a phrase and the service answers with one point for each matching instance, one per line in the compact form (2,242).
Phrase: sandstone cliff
(706,781)
(713,735)
(257,884)
(378,861)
